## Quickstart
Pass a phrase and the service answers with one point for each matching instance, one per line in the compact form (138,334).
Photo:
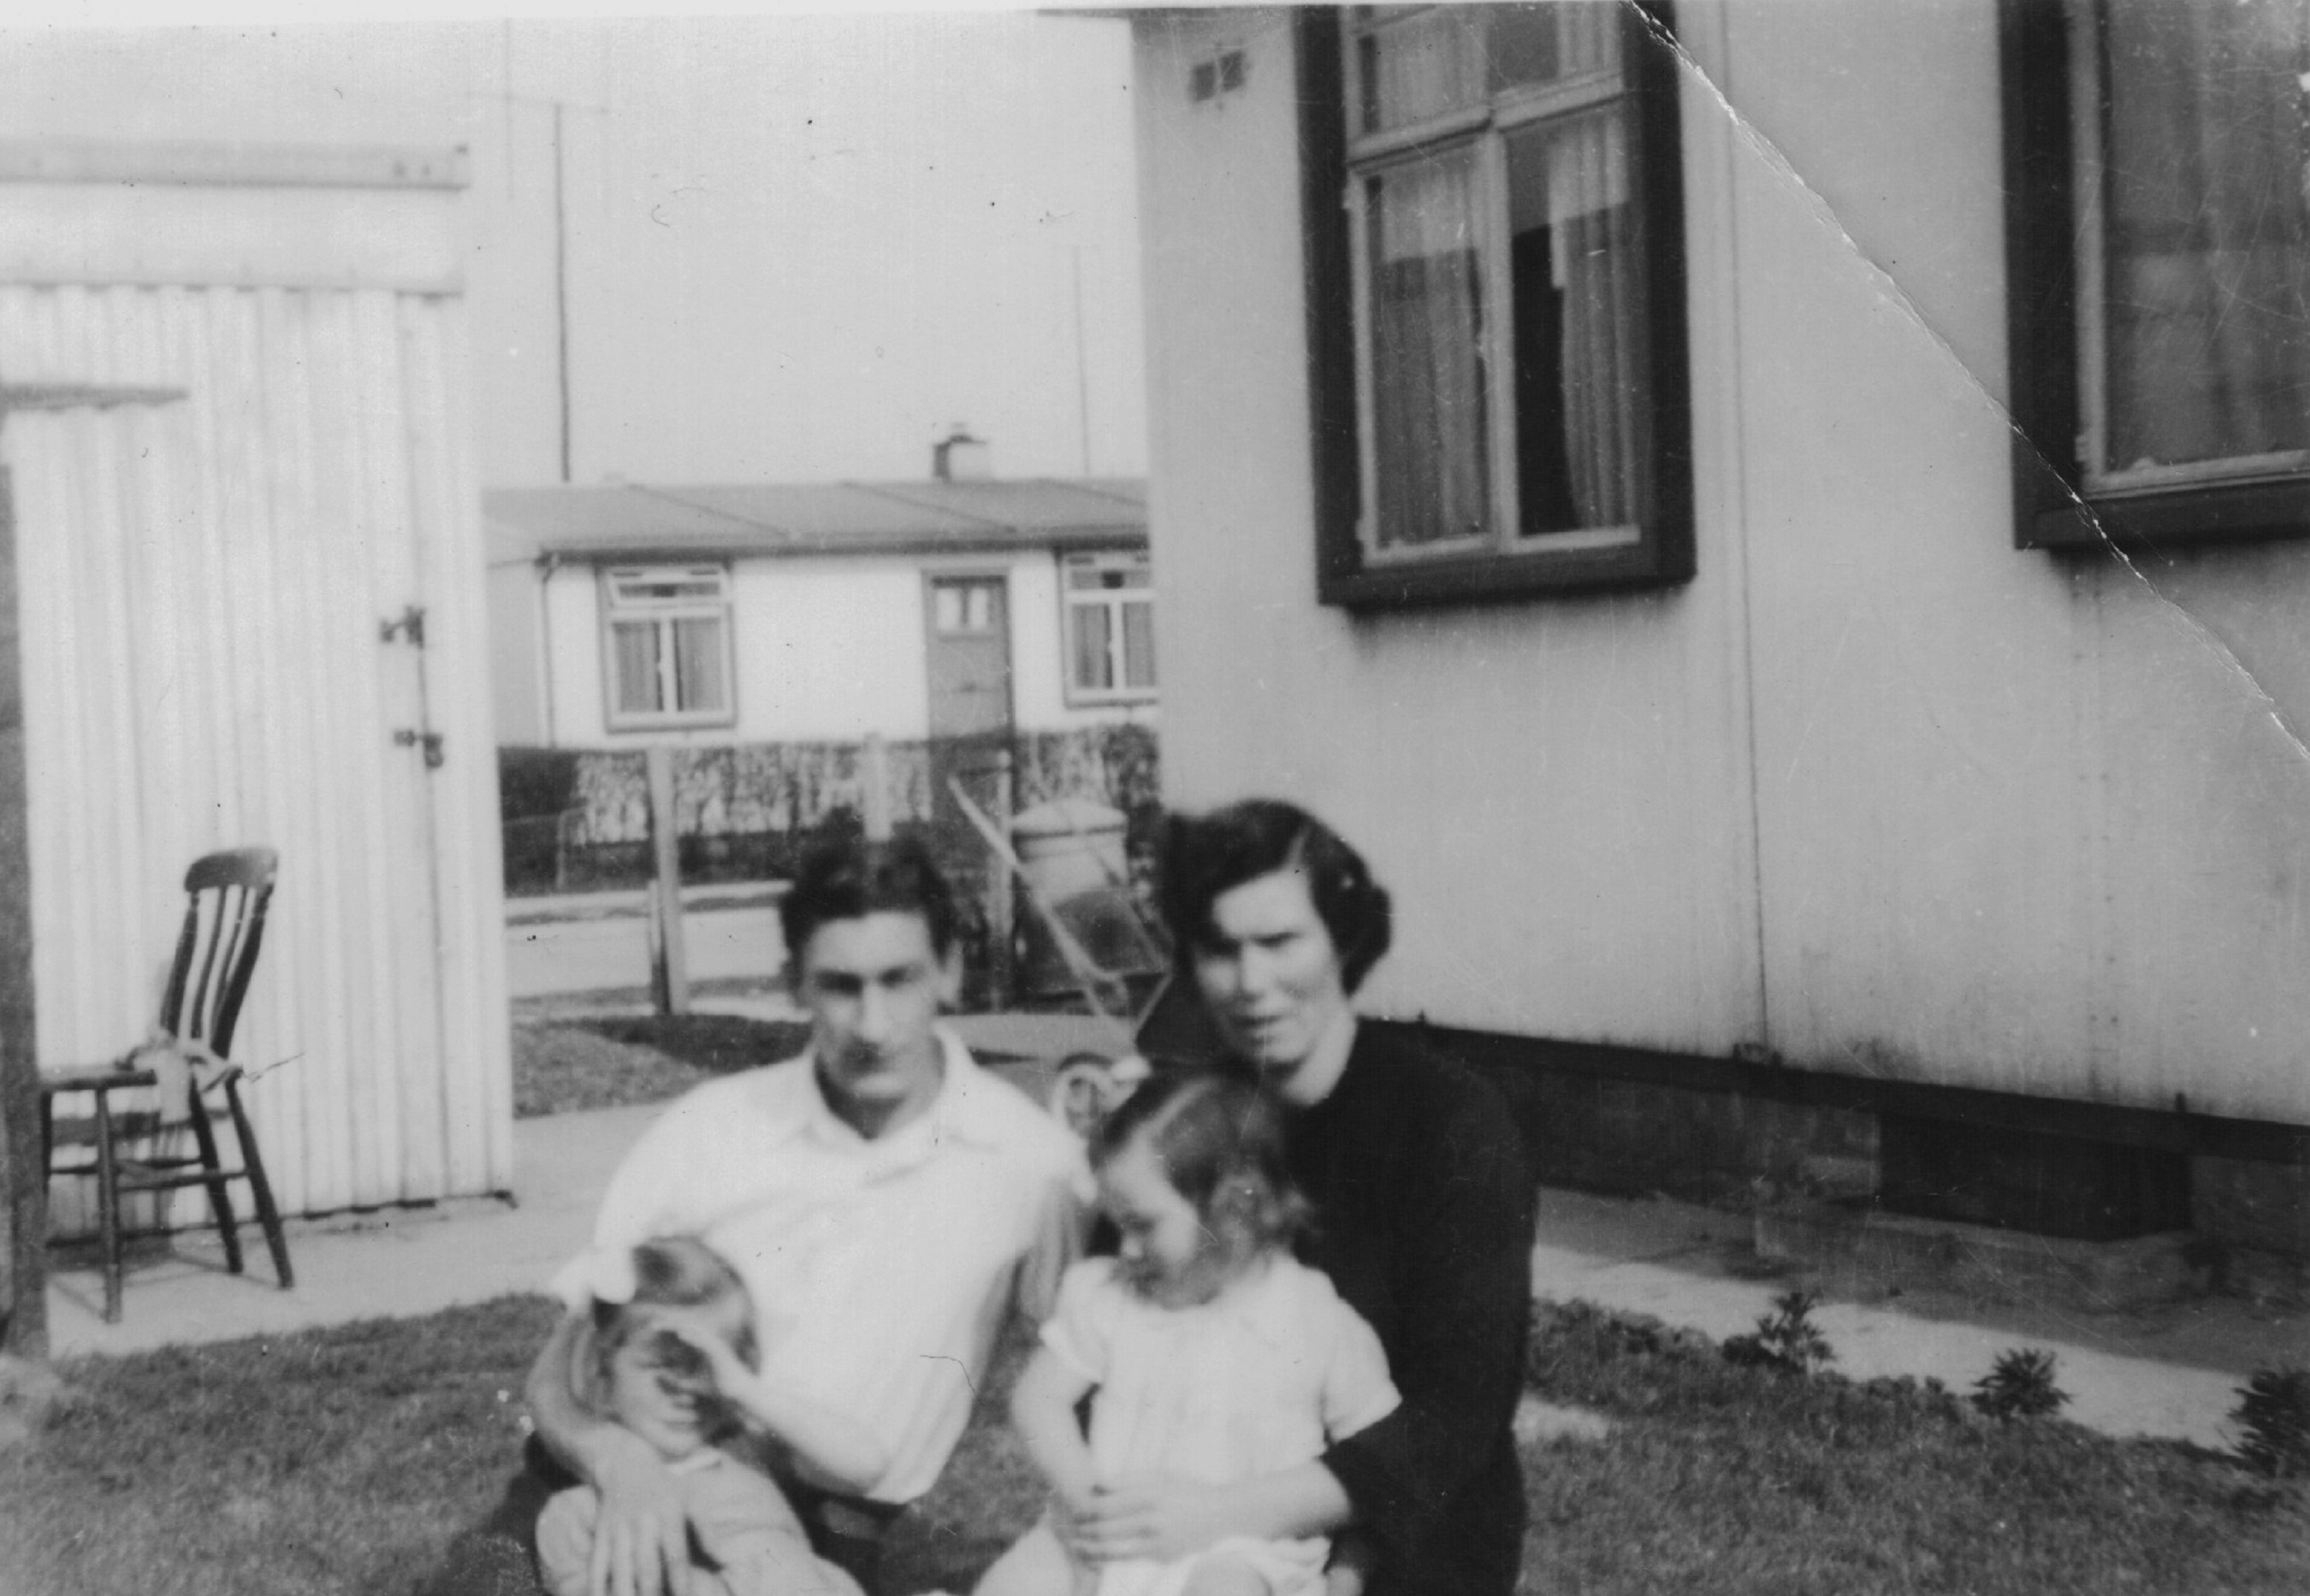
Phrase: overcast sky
(797,248)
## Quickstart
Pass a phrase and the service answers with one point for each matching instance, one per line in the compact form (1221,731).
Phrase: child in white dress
(1214,1354)
(672,1359)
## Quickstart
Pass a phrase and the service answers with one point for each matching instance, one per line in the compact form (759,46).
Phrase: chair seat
(105,1140)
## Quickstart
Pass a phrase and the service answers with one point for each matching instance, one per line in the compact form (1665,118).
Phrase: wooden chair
(226,894)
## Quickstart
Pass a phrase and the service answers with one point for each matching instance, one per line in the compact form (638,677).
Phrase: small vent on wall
(1223,74)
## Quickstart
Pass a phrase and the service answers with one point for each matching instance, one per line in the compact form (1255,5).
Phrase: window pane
(1537,44)
(1420,68)
(2207,146)
(1427,369)
(946,607)
(697,674)
(1138,645)
(1094,659)
(1583,394)
(636,644)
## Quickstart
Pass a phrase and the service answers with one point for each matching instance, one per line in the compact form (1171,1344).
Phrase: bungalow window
(669,645)
(1496,225)
(1110,624)
(2159,239)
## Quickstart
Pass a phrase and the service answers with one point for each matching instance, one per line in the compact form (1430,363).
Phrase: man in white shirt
(883,1198)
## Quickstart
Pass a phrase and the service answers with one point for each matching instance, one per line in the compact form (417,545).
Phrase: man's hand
(1152,1517)
(699,1332)
(641,1540)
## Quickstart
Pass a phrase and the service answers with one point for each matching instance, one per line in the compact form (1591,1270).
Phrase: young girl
(675,1363)
(1215,1356)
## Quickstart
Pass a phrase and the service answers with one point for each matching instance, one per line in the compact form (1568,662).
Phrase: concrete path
(2170,1372)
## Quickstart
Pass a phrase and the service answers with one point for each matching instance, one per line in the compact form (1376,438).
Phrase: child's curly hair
(1219,1141)
(673,1272)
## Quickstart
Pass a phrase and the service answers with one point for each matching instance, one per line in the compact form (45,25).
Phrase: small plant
(1784,1339)
(2273,1410)
(2019,1385)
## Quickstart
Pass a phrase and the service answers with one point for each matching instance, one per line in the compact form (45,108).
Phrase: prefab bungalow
(1785,529)
(629,612)
(246,549)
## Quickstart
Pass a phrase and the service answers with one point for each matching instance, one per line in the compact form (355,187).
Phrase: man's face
(874,987)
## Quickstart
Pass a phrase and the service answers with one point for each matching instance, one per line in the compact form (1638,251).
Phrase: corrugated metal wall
(204,583)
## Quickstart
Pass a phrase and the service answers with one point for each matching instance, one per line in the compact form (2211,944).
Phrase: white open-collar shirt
(879,1269)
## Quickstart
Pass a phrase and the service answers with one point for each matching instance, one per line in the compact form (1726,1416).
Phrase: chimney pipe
(962,458)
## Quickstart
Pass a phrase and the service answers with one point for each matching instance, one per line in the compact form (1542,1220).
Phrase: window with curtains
(1495,226)
(2158,232)
(668,634)
(1110,626)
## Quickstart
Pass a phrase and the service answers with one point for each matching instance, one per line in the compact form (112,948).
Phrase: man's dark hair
(1207,855)
(847,878)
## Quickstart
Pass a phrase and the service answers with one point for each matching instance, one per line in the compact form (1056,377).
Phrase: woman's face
(1270,975)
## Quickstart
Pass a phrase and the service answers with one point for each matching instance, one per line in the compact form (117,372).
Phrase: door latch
(409,623)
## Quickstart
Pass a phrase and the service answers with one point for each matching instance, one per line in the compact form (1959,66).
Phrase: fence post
(1001,977)
(669,966)
(875,800)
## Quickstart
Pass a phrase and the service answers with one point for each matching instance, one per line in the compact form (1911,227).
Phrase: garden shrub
(2019,1385)
(2273,1413)
(1785,1338)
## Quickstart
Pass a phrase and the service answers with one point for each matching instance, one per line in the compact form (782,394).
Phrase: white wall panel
(1875,789)
(1556,791)
(204,582)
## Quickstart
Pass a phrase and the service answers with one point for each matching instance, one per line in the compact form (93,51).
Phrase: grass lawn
(562,1065)
(341,1460)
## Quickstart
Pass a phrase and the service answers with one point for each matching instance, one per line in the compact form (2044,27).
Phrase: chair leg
(260,1190)
(219,1199)
(107,1207)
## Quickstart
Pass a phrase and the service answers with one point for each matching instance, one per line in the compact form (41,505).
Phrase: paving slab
(390,1262)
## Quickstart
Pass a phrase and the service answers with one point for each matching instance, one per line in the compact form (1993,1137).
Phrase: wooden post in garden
(669,964)
(1001,977)
(874,800)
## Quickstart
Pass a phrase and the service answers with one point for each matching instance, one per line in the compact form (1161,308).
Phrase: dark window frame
(2051,509)
(1664,554)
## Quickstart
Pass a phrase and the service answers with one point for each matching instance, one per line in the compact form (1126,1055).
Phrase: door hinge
(431,742)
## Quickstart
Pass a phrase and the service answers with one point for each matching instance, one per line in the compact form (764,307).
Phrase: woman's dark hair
(673,1272)
(1207,855)
(847,878)
(1219,1141)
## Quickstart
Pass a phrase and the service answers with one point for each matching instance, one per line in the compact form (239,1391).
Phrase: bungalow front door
(969,651)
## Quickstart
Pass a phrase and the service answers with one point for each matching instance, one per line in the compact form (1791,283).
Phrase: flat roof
(641,520)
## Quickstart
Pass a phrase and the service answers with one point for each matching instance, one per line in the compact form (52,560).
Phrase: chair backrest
(226,898)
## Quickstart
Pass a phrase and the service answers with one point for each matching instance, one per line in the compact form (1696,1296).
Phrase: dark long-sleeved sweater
(1424,1222)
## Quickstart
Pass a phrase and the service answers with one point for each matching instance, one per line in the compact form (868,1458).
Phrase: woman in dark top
(1424,1219)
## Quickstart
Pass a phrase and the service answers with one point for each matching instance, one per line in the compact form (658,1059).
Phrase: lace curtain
(2206,183)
